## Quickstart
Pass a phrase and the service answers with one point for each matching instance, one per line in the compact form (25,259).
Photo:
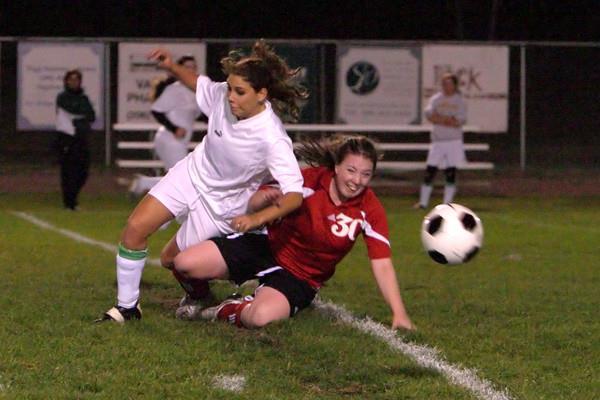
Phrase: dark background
(562,98)
(573,20)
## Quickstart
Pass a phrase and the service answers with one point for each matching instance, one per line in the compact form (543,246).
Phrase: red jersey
(312,240)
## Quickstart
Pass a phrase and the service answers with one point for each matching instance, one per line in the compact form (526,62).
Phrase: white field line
(232,383)
(73,235)
(425,356)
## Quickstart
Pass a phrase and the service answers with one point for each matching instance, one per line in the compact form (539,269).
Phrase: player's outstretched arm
(285,205)
(385,276)
(165,61)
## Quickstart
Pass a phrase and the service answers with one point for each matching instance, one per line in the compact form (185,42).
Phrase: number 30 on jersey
(344,225)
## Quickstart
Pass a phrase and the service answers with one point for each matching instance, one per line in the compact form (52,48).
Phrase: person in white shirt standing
(245,145)
(447,112)
(176,110)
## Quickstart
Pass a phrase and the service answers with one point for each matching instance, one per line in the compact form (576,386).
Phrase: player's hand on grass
(402,322)
(164,58)
(245,223)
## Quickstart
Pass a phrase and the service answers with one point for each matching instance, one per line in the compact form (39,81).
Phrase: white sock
(449,192)
(425,195)
(129,275)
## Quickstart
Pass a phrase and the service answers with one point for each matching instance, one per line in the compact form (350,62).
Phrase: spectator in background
(447,112)
(175,109)
(74,115)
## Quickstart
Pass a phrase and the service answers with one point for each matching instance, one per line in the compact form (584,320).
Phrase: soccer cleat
(121,314)
(189,308)
(229,311)
(225,311)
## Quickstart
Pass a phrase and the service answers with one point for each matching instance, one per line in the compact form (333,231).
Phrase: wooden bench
(314,128)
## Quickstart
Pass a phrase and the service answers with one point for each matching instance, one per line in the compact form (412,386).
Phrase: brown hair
(329,152)
(452,77)
(263,68)
(72,72)
(160,84)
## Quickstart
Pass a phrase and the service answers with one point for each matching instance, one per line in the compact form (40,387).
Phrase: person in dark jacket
(74,116)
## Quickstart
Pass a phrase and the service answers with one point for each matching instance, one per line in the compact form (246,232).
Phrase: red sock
(196,288)
(232,313)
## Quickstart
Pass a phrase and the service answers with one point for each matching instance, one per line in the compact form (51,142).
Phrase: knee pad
(429,174)
(450,175)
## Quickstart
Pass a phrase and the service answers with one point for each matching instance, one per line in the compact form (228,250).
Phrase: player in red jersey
(300,252)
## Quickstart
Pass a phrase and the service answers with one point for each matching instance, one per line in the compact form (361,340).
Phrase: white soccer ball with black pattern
(452,234)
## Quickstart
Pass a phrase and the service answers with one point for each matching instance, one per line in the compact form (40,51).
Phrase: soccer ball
(451,234)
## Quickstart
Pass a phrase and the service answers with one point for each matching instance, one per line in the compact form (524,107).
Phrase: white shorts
(169,148)
(446,154)
(177,192)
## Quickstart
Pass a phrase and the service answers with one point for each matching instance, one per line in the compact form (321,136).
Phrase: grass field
(523,314)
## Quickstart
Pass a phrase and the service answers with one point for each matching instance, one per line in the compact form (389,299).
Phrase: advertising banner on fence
(483,78)
(138,75)
(378,85)
(41,68)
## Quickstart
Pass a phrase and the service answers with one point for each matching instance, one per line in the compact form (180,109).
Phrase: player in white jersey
(246,144)
(447,112)
(175,109)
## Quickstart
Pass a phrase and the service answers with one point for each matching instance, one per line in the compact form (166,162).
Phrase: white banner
(378,85)
(41,68)
(483,75)
(137,74)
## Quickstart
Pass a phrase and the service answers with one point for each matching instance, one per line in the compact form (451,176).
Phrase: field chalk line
(73,235)
(425,356)
(232,383)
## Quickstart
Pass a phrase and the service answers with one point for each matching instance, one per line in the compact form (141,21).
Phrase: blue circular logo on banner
(362,77)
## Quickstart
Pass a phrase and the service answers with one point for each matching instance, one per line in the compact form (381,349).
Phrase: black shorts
(249,257)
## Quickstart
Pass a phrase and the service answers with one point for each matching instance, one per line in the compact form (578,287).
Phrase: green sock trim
(132,254)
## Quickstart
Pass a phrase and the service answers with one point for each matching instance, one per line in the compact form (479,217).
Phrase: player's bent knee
(451,175)
(182,264)
(261,316)
(429,174)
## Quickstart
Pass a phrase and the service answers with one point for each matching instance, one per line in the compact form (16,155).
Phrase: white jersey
(236,156)
(178,102)
(448,106)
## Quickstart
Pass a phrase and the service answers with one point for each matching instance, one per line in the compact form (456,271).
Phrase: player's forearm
(185,75)
(436,118)
(259,201)
(385,276)
(162,119)
(288,203)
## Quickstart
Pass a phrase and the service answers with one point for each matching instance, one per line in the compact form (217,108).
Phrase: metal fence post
(523,108)
(107,104)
